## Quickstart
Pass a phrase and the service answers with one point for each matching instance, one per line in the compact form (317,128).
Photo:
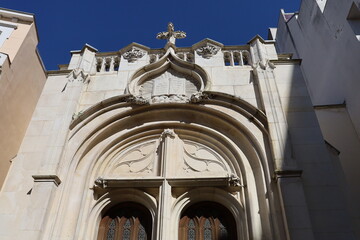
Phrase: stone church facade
(200,142)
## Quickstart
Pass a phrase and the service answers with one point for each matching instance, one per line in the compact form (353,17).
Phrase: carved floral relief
(185,156)
(207,51)
(133,55)
(137,160)
(198,158)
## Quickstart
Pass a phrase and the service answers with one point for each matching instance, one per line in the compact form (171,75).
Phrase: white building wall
(322,36)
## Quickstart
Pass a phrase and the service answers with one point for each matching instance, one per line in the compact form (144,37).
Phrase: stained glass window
(142,233)
(127,230)
(207,230)
(207,221)
(223,232)
(128,221)
(111,232)
(191,230)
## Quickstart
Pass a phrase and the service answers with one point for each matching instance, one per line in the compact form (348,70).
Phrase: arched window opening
(127,221)
(99,62)
(207,221)
(237,57)
(227,58)
(116,63)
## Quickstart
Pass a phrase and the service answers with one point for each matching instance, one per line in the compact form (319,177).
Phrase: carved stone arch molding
(111,199)
(107,135)
(106,192)
(219,146)
(170,79)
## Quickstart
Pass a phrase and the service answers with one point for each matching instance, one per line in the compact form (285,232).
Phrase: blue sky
(111,25)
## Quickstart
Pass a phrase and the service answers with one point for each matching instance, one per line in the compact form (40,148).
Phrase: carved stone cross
(171,35)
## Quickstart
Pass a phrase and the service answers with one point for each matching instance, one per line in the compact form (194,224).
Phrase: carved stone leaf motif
(77,75)
(199,158)
(207,51)
(138,160)
(133,54)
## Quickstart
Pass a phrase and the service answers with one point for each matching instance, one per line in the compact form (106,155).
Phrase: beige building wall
(250,121)
(22,78)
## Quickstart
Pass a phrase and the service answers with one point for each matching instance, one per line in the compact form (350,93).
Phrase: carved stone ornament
(76,115)
(207,51)
(137,100)
(138,160)
(263,65)
(198,97)
(133,54)
(78,75)
(198,158)
(170,99)
(171,35)
(234,181)
(100,182)
(168,133)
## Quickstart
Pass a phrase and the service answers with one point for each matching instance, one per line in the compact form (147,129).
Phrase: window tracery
(207,221)
(128,221)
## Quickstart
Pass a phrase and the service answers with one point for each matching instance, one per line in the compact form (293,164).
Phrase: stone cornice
(47,178)
(287,174)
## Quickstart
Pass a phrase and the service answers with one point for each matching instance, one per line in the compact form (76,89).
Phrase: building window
(207,221)
(227,58)
(116,63)
(5,32)
(245,58)
(127,221)
(236,58)
(354,20)
(99,62)
(107,64)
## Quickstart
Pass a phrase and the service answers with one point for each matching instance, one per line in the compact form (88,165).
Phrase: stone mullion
(231,58)
(165,196)
(102,69)
(112,64)
(241,60)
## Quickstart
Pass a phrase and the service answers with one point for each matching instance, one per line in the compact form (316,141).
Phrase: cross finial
(171,35)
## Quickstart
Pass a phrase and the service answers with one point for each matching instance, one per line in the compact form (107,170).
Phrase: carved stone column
(165,189)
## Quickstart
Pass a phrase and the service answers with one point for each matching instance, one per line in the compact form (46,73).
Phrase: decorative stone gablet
(134,52)
(207,48)
(170,79)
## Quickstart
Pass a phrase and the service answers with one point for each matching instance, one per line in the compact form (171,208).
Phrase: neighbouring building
(22,77)
(325,35)
(200,142)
